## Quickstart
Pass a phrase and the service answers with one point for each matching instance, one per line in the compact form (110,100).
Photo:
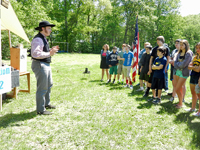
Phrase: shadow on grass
(146,105)
(168,108)
(141,98)
(165,97)
(95,81)
(83,78)
(115,86)
(7,100)
(189,104)
(192,125)
(112,86)
(11,118)
(102,83)
(139,94)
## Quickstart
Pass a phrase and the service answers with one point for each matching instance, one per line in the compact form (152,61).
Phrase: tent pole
(9,36)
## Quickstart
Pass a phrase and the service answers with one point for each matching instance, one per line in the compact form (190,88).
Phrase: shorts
(113,69)
(120,69)
(144,77)
(139,70)
(194,79)
(158,83)
(179,73)
(173,72)
(197,89)
(151,77)
(126,71)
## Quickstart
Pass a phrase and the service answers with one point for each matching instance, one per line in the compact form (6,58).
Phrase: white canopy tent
(10,22)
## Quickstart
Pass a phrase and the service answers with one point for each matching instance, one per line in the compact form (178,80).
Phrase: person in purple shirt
(41,59)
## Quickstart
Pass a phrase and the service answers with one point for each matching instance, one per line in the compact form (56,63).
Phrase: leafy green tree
(88,24)
(190,30)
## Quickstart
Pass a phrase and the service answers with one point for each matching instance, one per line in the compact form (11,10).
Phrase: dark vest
(45,48)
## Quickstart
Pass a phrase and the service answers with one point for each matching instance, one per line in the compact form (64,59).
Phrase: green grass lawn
(93,115)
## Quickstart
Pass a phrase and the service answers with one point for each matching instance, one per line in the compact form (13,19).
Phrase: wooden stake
(9,36)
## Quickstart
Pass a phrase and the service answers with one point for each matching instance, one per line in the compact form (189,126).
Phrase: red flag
(136,51)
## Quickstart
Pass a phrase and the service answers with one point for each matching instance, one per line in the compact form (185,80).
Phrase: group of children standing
(119,63)
(153,69)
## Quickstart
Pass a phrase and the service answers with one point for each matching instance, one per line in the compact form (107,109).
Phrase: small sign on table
(5,79)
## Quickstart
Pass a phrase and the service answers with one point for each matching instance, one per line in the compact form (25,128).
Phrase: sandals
(178,106)
(197,114)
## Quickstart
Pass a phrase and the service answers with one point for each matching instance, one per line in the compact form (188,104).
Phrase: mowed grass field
(94,115)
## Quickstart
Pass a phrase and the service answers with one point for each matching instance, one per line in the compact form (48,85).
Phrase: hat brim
(51,25)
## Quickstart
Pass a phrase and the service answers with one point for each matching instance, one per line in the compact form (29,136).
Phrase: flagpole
(138,54)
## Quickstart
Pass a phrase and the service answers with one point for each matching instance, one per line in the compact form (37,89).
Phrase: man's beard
(46,31)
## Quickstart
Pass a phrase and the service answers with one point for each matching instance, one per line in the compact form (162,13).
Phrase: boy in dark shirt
(112,63)
(158,81)
(144,61)
(160,41)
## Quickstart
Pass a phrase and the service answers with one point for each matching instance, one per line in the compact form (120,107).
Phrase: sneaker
(50,107)
(101,80)
(126,86)
(131,87)
(45,113)
(118,82)
(113,82)
(108,81)
(170,94)
(183,101)
(140,89)
(197,114)
(171,99)
(145,95)
(190,110)
(166,91)
(138,84)
(151,99)
(122,82)
(157,101)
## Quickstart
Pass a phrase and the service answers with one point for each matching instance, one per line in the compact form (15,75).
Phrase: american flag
(136,50)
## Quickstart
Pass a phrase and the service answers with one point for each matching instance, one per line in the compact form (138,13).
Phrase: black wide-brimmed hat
(44,24)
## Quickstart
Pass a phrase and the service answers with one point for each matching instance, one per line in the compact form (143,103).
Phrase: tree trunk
(126,31)
(66,23)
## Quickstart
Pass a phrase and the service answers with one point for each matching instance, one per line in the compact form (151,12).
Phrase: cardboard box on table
(18,60)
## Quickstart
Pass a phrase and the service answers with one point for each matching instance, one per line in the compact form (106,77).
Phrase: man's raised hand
(54,50)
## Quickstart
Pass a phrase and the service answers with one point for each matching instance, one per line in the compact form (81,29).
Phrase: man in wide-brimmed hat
(41,59)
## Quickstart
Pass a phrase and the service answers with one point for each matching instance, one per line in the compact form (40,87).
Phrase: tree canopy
(86,25)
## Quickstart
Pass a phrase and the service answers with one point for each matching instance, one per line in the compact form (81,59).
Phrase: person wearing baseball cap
(41,59)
